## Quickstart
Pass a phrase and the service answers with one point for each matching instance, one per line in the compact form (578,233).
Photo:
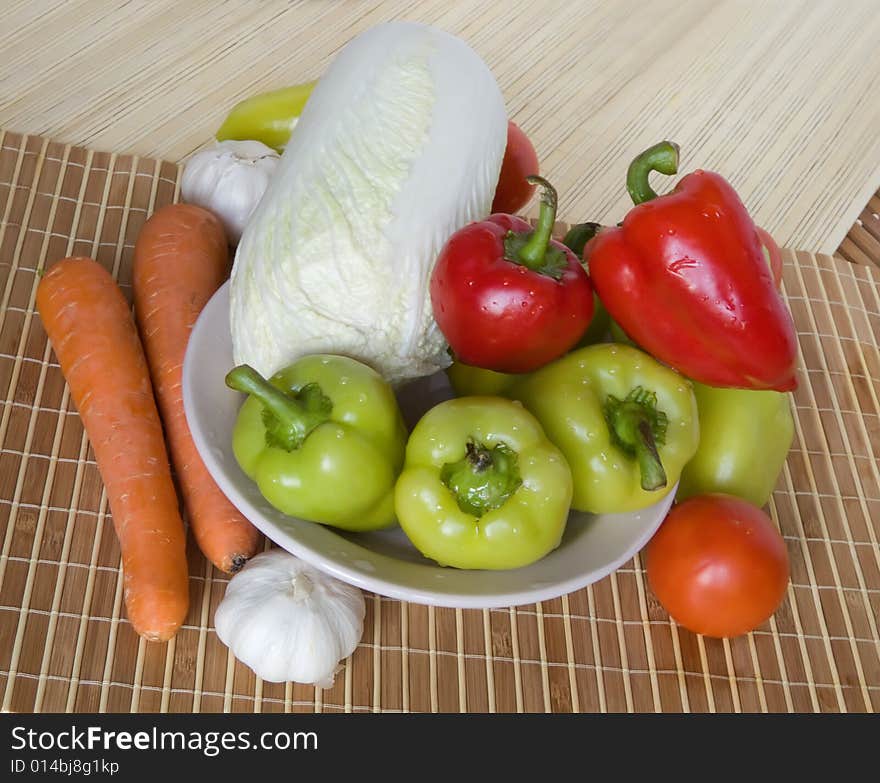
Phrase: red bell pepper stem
(532,253)
(662,157)
(533,249)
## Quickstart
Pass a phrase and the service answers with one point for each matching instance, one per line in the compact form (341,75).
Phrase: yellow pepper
(268,117)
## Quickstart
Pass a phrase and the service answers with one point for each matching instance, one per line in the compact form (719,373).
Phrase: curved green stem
(650,466)
(533,251)
(638,427)
(662,157)
(288,418)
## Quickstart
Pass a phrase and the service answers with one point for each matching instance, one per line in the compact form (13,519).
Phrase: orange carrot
(89,324)
(180,260)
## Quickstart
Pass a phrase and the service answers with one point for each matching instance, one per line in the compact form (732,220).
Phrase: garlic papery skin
(288,621)
(229,179)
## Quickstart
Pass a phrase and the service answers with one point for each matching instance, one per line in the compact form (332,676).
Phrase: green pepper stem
(662,157)
(479,459)
(577,237)
(532,253)
(291,418)
(533,249)
(653,474)
(637,427)
(483,479)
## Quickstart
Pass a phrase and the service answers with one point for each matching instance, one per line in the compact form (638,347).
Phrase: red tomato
(520,160)
(718,565)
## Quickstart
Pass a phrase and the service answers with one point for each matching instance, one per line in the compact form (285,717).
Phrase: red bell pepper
(685,277)
(772,254)
(509,298)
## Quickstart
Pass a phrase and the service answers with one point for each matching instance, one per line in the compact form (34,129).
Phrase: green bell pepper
(469,381)
(626,424)
(597,331)
(576,240)
(323,439)
(482,487)
(268,117)
(618,335)
(745,436)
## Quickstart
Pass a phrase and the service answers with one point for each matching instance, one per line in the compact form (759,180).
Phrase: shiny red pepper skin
(686,278)
(501,315)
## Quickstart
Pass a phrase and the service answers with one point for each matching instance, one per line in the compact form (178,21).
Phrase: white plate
(385,562)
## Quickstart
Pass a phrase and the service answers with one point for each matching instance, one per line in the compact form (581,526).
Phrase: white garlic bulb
(288,621)
(229,179)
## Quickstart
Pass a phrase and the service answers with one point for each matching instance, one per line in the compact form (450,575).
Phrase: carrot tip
(238,562)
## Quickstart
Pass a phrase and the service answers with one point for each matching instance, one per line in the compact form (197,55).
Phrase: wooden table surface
(779,96)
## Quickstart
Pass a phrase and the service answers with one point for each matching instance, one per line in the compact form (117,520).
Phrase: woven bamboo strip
(228,690)
(377,649)
(542,653)
(319,700)
(203,633)
(489,651)
(646,630)
(570,657)
(707,680)
(597,650)
(679,664)
(432,652)
(169,668)
(348,687)
(404,658)
(115,618)
(258,696)
(517,663)
(731,676)
(137,677)
(621,641)
(759,678)
(780,659)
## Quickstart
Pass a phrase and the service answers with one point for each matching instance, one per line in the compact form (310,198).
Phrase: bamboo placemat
(64,644)
(781,96)
(862,244)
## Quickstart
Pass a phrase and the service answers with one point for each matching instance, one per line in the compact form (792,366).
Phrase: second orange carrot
(180,260)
